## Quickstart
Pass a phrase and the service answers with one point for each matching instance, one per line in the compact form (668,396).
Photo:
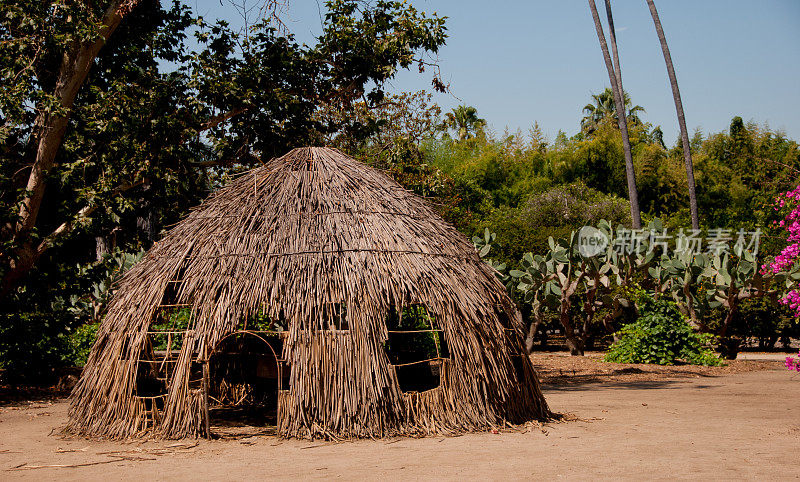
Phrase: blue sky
(523,61)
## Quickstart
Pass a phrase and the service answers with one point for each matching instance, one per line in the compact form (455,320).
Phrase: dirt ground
(627,421)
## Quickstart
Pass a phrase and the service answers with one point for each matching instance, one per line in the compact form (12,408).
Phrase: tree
(101,125)
(77,53)
(373,129)
(603,108)
(676,94)
(465,121)
(615,77)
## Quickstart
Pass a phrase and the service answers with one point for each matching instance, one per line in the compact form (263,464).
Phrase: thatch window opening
(519,367)
(152,373)
(416,347)
(159,355)
(169,328)
(512,334)
(328,317)
(262,322)
(504,319)
(246,373)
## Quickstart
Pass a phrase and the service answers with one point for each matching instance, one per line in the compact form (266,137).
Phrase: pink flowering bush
(789,255)
(793,363)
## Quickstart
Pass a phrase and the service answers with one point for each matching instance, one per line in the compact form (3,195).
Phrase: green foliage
(32,343)
(585,287)
(108,271)
(766,322)
(661,336)
(263,322)
(175,319)
(156,124)
(483,245)
(53,326)
(80,344)
(496,179)
(554,213)
(740,172)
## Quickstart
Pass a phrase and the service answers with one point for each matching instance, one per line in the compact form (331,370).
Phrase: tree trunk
(18,267)
(612,36)
(50,127)
(687,307)
(103,246)
(733,308)
(573,342)
(145,225)
(532,329)
(726,323)
(676,94)
(574,345)
(615,77)
(609,318)
(729,346)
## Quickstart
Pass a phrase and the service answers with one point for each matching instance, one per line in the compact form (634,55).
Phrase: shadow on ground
(593,382)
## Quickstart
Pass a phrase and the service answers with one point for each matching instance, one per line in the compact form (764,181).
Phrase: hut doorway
(245,376)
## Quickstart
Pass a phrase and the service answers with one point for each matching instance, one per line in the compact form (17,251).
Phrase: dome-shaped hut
(318,288)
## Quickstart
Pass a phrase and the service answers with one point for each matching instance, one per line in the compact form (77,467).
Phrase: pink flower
(793,363)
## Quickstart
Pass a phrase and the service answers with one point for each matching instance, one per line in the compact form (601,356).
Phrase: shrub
(32,345)
(661,336)
(80,344)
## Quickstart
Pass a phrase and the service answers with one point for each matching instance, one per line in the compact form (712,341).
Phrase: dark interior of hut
(246,373)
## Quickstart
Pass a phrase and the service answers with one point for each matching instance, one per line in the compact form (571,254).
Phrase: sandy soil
(631,421)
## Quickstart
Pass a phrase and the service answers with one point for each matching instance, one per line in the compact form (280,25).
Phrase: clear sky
(523,61)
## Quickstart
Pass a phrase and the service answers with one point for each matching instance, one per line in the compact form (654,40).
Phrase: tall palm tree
(616,87)
(676,94)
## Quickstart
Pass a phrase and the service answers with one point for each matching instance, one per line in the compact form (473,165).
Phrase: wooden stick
(206,413)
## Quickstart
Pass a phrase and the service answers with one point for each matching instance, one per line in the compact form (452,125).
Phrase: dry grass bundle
(310,230)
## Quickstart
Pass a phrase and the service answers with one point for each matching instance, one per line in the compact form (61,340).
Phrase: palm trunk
(612,36)
(676,94)
(619,102)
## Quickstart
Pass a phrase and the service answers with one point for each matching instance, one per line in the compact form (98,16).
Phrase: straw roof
(312,228)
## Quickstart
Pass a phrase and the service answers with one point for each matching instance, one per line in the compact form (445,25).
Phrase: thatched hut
(318,288)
